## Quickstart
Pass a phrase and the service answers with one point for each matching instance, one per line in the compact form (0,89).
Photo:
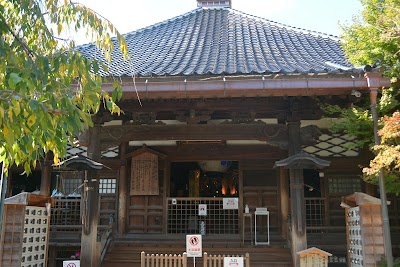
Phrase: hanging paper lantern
(215,165)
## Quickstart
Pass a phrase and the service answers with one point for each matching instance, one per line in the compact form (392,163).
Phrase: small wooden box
(313,257)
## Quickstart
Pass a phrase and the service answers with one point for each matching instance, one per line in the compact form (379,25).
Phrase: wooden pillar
(122,190)
(284,200)
(9,184)
(241,197)
(297,204)
(52,257)
(89,253)
(166,193)
(45,181)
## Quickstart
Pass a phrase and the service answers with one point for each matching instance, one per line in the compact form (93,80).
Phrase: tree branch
(29,51)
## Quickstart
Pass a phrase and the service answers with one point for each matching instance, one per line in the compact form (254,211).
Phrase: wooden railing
(163,260)
(65,217)
(66,211)
(218,260)
(106,239)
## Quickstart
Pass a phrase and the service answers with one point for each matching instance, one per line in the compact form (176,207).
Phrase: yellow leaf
(2,112)
(56,159)
(59,28)
(17,108)
(10,114)
(31,120)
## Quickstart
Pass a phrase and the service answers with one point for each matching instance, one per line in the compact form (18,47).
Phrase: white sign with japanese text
(230,203)
(202,209)
(233,262)
(193,246)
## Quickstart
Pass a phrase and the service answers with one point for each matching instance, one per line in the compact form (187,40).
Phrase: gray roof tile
(224,41)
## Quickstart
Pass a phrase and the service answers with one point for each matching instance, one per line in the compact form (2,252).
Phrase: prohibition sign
(194,240)
(71,264)
(193,245)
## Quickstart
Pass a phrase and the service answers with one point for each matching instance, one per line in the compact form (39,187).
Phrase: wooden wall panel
(263,197)
(146,214)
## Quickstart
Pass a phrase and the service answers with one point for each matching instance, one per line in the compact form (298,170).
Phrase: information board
(144,174)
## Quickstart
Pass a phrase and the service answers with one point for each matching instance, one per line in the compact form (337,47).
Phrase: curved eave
(302,160)
(79,163)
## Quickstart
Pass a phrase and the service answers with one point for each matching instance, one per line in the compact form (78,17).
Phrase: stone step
(126,252)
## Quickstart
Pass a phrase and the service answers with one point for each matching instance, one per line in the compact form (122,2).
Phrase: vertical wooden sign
(144,174)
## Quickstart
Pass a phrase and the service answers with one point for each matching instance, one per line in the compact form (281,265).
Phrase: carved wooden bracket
(193,117)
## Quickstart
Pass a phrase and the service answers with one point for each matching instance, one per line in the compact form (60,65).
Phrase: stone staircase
(126,251)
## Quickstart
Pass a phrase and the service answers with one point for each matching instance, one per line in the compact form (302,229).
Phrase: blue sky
(319,15)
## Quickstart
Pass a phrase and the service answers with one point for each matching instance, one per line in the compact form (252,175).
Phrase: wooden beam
(225,88)
(271,133)
(217,152)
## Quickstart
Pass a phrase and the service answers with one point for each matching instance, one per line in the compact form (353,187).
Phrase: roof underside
(223,41)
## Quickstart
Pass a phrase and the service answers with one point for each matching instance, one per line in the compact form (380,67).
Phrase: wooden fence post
(205,259)
(247,259)
(184,264)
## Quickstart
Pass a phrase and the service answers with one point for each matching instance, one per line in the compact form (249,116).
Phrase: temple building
(223,112)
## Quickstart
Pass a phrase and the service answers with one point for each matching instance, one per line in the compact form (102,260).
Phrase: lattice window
(69,181)
(107,186)
(315,213)
(183,217)
(335,145)
(344,185)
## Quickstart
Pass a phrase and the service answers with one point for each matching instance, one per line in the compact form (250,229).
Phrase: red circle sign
(71,264)
(194,240)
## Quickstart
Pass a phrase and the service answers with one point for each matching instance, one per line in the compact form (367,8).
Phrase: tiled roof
(214,41)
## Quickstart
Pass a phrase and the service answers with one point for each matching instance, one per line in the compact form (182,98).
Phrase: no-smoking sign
(193,245)
(71,264)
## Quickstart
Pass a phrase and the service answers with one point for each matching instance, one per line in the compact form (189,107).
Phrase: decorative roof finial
(214,3)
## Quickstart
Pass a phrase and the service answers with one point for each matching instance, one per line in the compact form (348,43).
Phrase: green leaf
(34,104)
(14,80)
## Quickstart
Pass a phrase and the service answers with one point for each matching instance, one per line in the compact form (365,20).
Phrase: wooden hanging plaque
(144,174)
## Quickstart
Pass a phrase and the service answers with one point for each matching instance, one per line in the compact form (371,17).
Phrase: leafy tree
(387,153)
(48,90)
(373,38)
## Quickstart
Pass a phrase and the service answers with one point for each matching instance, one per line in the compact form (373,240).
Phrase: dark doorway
(312,183)
(202,179)
(25,183)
